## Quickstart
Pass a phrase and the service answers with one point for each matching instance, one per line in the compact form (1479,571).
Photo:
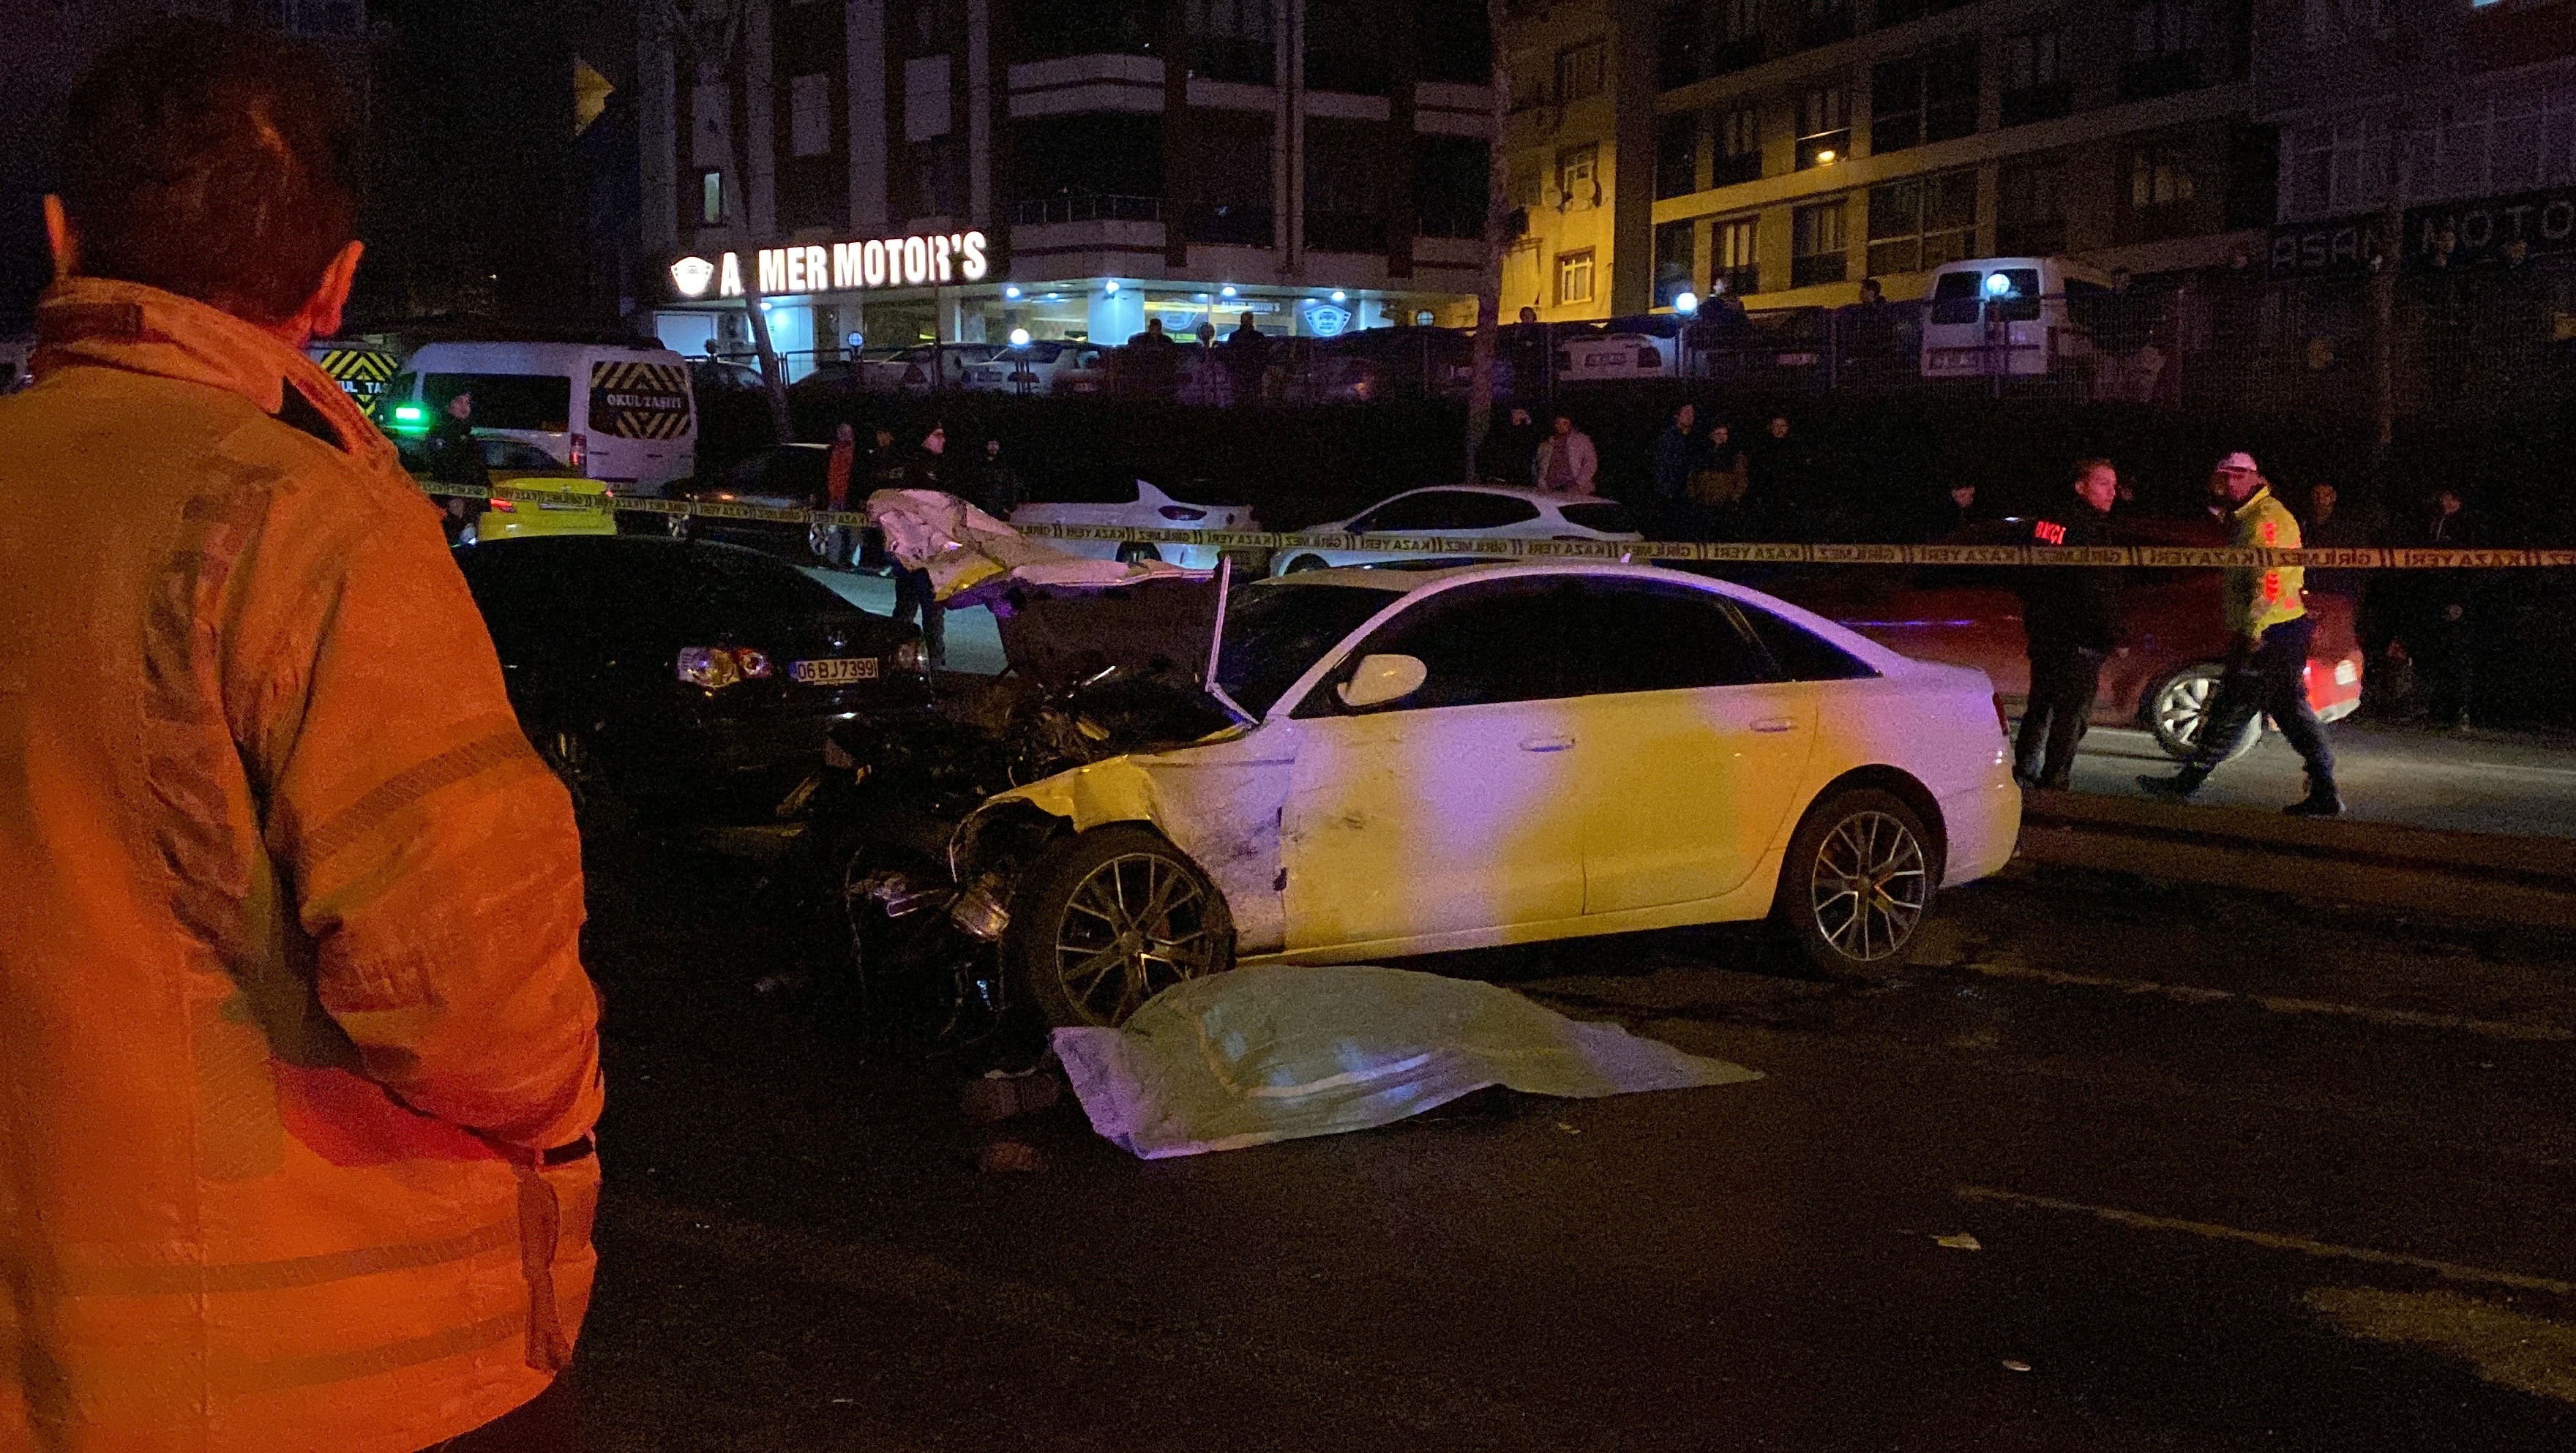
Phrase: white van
(2007,316)
(621,414)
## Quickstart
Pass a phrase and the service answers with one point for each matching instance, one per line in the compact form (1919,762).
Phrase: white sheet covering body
(1275,1053)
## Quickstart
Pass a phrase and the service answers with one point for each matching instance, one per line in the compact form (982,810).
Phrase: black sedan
(683,674)
(782,476)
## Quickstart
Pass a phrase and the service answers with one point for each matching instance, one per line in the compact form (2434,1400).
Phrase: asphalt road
(2216,1175)
(2483,782)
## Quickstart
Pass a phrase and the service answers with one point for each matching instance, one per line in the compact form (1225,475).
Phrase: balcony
(1824,148)
(1086,207)
(1229,224)
(1730,56)
(1735,170)
(2038,103)
(1823,267)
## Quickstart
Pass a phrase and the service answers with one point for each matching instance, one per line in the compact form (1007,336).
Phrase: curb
(2521,880)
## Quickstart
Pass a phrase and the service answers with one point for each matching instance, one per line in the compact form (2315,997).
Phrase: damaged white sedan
(1349,766)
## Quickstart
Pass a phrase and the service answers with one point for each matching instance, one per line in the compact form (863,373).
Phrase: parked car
(2174,639)
(1473,511)
(782,476)
(682,674)
(1151,509)
(1032,367)
(2009,316)
(1391,763)
(587,509)
(1614,356)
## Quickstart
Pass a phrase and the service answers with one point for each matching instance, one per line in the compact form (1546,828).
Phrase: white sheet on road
(1275,1053)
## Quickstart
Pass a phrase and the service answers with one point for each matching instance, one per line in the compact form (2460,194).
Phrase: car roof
(1410,583)
(1516,491)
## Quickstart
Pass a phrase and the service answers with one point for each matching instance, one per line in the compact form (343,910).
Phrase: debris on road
(1001,1094)
(1001,1157)
(1964,1241)
(2015,1364)
(1276,1053)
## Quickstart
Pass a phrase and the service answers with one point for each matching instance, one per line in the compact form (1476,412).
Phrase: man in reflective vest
(298,1063)
(2269,627)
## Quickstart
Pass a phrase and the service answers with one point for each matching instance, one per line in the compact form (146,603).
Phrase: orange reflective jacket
(291,1005)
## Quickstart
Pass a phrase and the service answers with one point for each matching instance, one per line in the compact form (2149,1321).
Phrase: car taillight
(498,503)
(910,657)
(1181,512)
(580,450)
(717,667)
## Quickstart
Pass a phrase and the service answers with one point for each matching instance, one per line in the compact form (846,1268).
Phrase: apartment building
(2461,117)
(1784,150)
(960,170)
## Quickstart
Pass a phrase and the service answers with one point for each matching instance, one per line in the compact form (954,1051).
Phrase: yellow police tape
(2166,556)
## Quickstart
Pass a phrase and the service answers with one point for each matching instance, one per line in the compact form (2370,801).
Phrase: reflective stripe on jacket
(291,1006)
(2261,597)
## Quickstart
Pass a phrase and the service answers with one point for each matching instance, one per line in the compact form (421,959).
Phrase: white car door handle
(1776,724)
(1547,744)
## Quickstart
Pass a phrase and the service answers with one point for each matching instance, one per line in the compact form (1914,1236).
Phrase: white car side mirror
(1382,679)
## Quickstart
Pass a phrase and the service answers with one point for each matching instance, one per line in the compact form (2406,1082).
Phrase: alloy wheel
(1869,886)
(1134,926)
(2182,708)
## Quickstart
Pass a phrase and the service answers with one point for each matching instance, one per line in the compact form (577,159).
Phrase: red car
(2173,634)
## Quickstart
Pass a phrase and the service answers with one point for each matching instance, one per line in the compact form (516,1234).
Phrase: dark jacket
(2071,606)
(1505,455)
(1671,463)
(455,455)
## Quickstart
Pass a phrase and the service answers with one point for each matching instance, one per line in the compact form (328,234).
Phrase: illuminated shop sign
(842,267)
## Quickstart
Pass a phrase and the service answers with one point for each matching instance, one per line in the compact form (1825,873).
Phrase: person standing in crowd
(2332,526)
(456,457)
(1957,509)
(1716,487)
(2070,616)
(838,466)
(1151,362)
(997,484)
(1504,456)
(1778,487)
(2270,628)
(914,595)
(298,1062)
(1247,359)
(1566,461)
(2440,612)
(1669,464)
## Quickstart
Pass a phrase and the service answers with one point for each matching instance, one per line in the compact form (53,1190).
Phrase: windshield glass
(1273,633)
(537,402)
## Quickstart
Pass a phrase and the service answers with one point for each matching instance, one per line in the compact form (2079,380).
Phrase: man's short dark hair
(2083,470)
(212,161)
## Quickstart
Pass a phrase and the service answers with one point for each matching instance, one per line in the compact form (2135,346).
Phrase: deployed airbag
(1275,1053)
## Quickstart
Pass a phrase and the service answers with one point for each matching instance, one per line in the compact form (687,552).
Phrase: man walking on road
(2267,665)
(2070,614)
(298,1063)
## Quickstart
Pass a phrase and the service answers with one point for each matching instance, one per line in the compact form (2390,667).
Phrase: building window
(1931,97)
(2164,57)
(1582,71)
(1817,246)
(809,110)
(1739,147)
(711,198)
(1677,155)
(1731,256)
(1679,35)
(926,109)
(1578,186)
(1230,40)
(1574,276)
(2035,82)
(1675,261)
(2030,209)
(1452,177)
(1922,222)
(2339,166)
(1346,185)
(2159,176)
(1824,126)
(1822,22)
(1451,42)
(1528,190)
(1346,47)
(1739,37)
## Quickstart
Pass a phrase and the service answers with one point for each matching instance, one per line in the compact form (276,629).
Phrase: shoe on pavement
(2171,789)
(2327,803)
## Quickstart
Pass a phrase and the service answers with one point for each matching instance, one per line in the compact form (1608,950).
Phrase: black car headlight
(910,656)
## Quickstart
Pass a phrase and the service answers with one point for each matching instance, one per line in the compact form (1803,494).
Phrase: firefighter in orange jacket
(298,1063)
